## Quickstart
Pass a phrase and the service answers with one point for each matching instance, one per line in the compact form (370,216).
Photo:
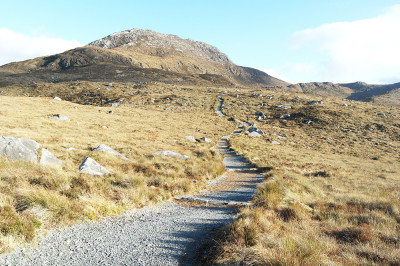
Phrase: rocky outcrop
(91,167)
(171,154)
(109,150)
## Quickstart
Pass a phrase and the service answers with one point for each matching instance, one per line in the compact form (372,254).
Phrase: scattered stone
(105,127)
(252,129)
(345,104)
(204,139)
(57,98)
(308,122)
(105,148)
(246,124)
(275,142)
(111,112)
(60,117)
(316,102)
(19,149)
(285,116)
(70,149)
(109,85)
(191,138)
(114,105)
(259,113)
(270,97)
(171,154)
(91,167)
(282,136)
(284,106)
(48,158)
(381,114)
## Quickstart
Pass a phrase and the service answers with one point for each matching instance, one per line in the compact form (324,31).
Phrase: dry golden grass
(35,198)
(332,196)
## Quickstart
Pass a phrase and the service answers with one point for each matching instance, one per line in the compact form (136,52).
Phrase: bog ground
(331,166)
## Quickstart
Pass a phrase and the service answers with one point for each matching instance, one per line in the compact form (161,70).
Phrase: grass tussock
(35,198)
(332,195)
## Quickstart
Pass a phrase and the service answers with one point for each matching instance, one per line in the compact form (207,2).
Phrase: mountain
(321,89)
(142,54)
(388,94)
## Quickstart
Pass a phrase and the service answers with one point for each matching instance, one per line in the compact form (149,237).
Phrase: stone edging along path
(166,234)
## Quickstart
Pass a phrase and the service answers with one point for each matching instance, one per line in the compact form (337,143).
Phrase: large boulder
(19,149)
(48,158)
(171,154)
(107,149)
(26,150)
(91,167)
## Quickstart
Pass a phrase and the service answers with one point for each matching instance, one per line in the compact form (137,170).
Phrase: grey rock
(191,138)
(284,106)
(171,154)
(111,112)
(70,149)
(57,98)
(91,167)
(204,139)
(308,122)
(19,149)
(259,113)
(246,124)
(105,148)
(285,116)
(114,105)
(254,134)
(381,114)
(252,129)
(275,142)
(48,158)
(60,117)
(316,102)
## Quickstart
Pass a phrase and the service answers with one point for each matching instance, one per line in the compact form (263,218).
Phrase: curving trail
(166,234)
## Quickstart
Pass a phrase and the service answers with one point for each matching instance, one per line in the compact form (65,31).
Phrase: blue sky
(299,41)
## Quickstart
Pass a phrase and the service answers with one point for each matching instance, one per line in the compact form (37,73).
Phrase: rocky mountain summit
(143,55)
(152,39)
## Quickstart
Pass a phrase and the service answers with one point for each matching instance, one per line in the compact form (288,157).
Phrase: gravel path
(166,234)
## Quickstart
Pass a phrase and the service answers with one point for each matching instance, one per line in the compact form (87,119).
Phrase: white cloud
(367,50)
(16,46)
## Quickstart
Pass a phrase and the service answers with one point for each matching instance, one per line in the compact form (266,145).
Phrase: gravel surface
(166,234)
